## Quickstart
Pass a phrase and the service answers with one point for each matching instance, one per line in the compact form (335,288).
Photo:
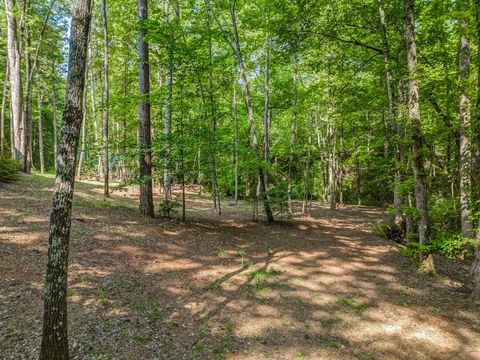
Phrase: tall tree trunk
(293,131)
(16,89)
(168,106)
(54,337)
(40,134)
(414,118)
(235,46)
(30,69)
(474,280)
(215,191)
(2,111)
(464,116)
(84,120)
(106,160)
(54,116)
(266,111)
(96,130)
(146,194)
(235,119)
(397,199)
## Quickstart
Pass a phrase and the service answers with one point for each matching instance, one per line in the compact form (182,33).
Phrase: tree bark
(235,119)
(146,194)
(464,116)
(106,160)
(168,107)
(54,337)
(474,280)
(16,89)
(293,131)
(421,198)
(266,111)
(2,113)
(40,134)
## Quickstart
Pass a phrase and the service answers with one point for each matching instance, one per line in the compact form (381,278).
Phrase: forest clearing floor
(211,287)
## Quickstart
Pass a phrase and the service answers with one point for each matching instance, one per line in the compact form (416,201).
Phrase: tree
(146,194)
(54,335)
(464,116)
(16,89)
(414,118)
(106,169)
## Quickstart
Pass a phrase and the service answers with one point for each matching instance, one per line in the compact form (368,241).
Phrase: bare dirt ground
(322,287)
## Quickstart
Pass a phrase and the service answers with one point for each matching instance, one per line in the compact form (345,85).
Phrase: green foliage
(454,246)
(168,208)
(9,169)
(352,303)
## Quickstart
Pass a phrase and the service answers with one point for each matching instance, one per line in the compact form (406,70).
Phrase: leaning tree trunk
(146,194)
(248,102)
(54,337)
(414,117)
(464,116)
(16,90)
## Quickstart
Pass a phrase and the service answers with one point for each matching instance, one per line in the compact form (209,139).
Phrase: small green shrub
(453,246)
(167,208)
(9,169)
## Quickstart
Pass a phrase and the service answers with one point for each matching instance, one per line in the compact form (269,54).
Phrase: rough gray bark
(474,280)
(16,89)
(106,161)
(146,194)
(464,117)
(54,336)
(414,117)
(40,134)
(2,111)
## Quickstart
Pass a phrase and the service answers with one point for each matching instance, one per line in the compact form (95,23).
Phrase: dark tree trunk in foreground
(54,336)
(414,117)
(146,195)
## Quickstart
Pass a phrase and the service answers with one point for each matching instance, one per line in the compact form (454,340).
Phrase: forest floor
(319,287)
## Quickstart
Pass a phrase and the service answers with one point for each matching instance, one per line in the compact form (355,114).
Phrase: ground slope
(322,287)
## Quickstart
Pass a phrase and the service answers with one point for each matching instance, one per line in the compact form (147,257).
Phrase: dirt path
(323,287)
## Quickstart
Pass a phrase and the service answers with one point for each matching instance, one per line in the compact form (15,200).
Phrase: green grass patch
(353,304)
